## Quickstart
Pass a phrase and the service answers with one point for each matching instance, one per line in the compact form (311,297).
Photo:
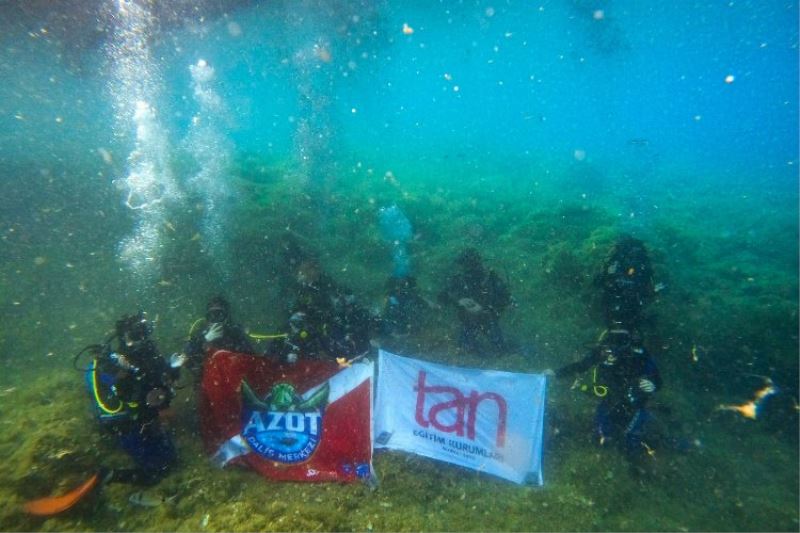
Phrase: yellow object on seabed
(750,409)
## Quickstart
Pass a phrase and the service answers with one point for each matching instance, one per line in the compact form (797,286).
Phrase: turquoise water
(154,155)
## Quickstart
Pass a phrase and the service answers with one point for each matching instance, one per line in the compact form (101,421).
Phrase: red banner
(308,421)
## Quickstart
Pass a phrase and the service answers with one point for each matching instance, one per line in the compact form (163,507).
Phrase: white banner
(486,420)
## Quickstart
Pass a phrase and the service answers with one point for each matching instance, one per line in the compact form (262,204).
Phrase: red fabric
(346,436)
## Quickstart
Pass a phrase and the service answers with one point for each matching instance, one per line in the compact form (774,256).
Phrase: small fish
(145,499)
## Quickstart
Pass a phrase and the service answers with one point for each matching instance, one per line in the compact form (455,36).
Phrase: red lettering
(502,410)
(419,415)
(457,405)
(457,402)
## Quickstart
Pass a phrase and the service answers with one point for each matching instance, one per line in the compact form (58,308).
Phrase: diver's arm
(651,372)
(588,361)
(241,340)
(453,290)
(500,295)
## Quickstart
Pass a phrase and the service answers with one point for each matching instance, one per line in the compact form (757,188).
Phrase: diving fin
(58,504)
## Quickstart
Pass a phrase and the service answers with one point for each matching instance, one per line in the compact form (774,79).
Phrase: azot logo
(461,410)
(284,426)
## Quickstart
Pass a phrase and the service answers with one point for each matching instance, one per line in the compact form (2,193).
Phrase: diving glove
(122,361)
(177,360)
(645,385)
(214,332)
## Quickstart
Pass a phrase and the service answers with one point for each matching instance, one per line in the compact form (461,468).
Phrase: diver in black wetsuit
(218,333)
(626,284)
(624,377)
(129,387)
(325,319)
(404,307)
(480,297)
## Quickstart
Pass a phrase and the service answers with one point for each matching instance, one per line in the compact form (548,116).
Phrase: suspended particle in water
(106,155)
(729,79)
(234,30)
(407,30)
(598,14)
(323,53)
(579,154)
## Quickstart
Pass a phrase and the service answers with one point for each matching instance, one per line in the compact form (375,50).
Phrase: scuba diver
(480,297)
(624,377)
(219,332)
(626,283)
(403,307)
(403,304)
(128,388)
(325,320)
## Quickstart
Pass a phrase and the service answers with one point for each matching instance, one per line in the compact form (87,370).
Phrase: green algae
(733,474)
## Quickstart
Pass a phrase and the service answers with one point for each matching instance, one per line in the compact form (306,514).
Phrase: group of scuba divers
(130,383)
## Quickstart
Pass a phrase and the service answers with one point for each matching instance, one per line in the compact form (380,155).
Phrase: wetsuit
(233,338)
(403,306)
(485,288)
(617,380)
(128,395)
(626,283)
(325,322)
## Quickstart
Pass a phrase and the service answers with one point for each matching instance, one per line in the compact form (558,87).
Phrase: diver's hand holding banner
(486,420)
(309,421)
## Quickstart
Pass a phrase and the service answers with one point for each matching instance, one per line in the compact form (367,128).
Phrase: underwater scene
(620,177)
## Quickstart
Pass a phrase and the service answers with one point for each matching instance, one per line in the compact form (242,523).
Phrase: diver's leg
(468,339)
(152,450)
(495,335)
(602,423)
(635,445)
